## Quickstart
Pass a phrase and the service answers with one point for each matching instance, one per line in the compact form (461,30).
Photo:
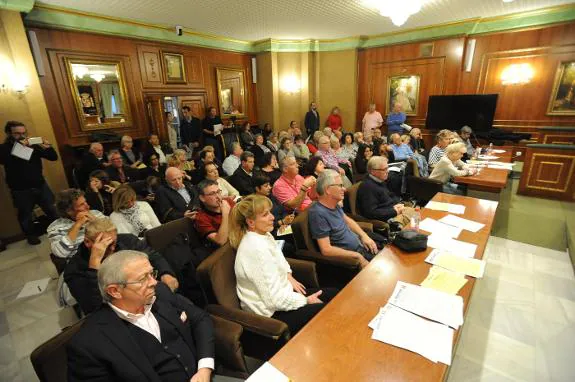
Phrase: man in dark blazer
(118,171)
(143,331)
(177,198)
(190,129)
(242,177)
(94,159)
(312,120)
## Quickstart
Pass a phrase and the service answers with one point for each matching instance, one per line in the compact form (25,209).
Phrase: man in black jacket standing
(142,332)
(102,240)
(190,129)
(23,165)
(312,120)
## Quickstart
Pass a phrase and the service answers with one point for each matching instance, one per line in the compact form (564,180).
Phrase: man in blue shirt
(335,232)
(395,119)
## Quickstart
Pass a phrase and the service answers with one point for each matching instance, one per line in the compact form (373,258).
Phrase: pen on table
(40,289)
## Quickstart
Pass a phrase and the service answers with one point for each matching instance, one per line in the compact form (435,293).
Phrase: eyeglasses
(340,185)
(145,279)
(214,193)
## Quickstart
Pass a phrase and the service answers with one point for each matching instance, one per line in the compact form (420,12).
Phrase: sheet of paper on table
(435,227)
(501,166)
(32,288)
(470,267)
(406,330)
(447,207)
(457,247)
(268,373)
(488,157)
(498,151)
(438,306)
(465,224)
(444,280)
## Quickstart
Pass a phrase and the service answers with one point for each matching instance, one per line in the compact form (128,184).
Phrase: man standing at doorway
(190,129)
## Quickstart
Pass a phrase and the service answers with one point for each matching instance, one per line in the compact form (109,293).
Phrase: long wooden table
(336,345)
(489,179)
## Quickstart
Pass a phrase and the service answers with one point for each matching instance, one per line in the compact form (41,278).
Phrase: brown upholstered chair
(159,237)
(262,336)
(423,189)
(333,271)
(50,359)
(351,194)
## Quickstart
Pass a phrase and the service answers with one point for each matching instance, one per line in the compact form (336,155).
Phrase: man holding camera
(22,160)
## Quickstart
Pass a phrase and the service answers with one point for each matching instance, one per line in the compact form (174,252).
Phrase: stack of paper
(471,267)
(429,303)
(447,207)
(267,373)
(497,151)
(446,243)
(501,165)
(435,227)
(487,157)
(465,224)
(403,329)
(444,280)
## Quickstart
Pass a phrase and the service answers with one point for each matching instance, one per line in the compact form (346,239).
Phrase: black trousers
(25,200)
(296,319)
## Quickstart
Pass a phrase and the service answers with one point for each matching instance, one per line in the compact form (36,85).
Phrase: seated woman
(313,142)
(173,161)
(211,172)
(187,165)
(99,192)
(416,143)
(130,215)
(130,156)
(285,149)
(273,143)
(364,154)
(450,165)
(348,147)
(402,152)
(442,138)
(300,149)
(314,167)
(358,138)
(153,167)
(259,149)
(246,137)
(264,282)
(270,168)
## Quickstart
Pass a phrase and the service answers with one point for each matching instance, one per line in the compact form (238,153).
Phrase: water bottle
(415,219)
(490,148)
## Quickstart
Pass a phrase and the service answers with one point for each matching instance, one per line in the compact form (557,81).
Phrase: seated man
(177,198)
(67,233)
(375,201)
(143,332)
(153,146)
(232,162)
(100,241)
(211,222)
(335,232)
(93,159)
(242,178)
(118,171)
(291,188)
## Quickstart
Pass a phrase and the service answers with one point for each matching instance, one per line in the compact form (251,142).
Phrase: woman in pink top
(334,119)
(371,120)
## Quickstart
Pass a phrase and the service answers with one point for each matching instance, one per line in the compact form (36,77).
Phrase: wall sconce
(10,80)
(290,84)
(517,74)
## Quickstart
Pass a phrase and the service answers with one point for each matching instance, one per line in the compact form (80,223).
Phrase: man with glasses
(336,233)
(376,201)
(118,171)
(143,332)
(212,219)
(177,198)
(24,176)
(101,240)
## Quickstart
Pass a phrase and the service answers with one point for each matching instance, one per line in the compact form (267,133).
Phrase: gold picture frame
(405,90)
(232,92)
(174,68)
(426,50)
(562,99)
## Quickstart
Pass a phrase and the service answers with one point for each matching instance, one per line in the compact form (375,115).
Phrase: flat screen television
(452,112)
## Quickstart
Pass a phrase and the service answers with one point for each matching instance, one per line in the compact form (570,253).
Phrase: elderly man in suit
(176,199)
(143,332)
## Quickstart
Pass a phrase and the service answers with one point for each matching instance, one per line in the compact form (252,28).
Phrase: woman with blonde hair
(131,216)
(451,165)
(264,281)
(334,120)
(187,165)
(371,120)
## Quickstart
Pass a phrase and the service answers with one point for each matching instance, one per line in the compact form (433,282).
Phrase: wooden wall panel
(549,172)
(142,63)
(558,136)
(520,108)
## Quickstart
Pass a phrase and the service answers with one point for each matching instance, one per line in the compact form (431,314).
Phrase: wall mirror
(232,92)
(99,92)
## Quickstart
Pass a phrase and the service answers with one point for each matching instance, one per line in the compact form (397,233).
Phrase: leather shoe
(33,240)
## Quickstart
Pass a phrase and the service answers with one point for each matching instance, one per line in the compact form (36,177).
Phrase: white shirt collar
(124,315)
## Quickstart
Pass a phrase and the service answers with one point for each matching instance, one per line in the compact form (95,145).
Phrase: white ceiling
(293,19)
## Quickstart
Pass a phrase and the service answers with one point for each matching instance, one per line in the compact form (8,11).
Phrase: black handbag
(410,241)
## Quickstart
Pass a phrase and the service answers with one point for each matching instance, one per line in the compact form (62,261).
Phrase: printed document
(267,373)
(435,227)
(465,224)
(444,280)
(456,247)
(470,267)
(447,207)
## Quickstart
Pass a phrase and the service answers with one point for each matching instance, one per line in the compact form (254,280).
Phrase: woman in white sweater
(265,284)
(451,165)
(131,216)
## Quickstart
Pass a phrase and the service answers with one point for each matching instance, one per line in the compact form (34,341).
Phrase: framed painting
(562,100)
(403,90)
(174,70)
(426,50)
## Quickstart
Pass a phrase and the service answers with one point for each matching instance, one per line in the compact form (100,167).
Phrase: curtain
(106,91)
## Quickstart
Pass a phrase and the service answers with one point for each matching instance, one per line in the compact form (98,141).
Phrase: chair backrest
(302,234)
(423,189)
(216,273)
(228,137)
(50,359)
(160,237)
(352,196)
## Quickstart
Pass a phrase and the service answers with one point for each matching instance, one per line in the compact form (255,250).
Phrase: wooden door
(155,108)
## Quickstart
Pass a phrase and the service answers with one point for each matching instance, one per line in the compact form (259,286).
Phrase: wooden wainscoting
(549,172)
(557,135)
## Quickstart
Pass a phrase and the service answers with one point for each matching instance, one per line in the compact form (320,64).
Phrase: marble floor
(520,324)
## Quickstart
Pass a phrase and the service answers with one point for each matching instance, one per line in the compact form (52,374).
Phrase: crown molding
(62,18)
(17,5)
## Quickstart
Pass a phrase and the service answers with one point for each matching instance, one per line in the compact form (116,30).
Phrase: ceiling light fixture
(398,12)
(97,76)
(508,1)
